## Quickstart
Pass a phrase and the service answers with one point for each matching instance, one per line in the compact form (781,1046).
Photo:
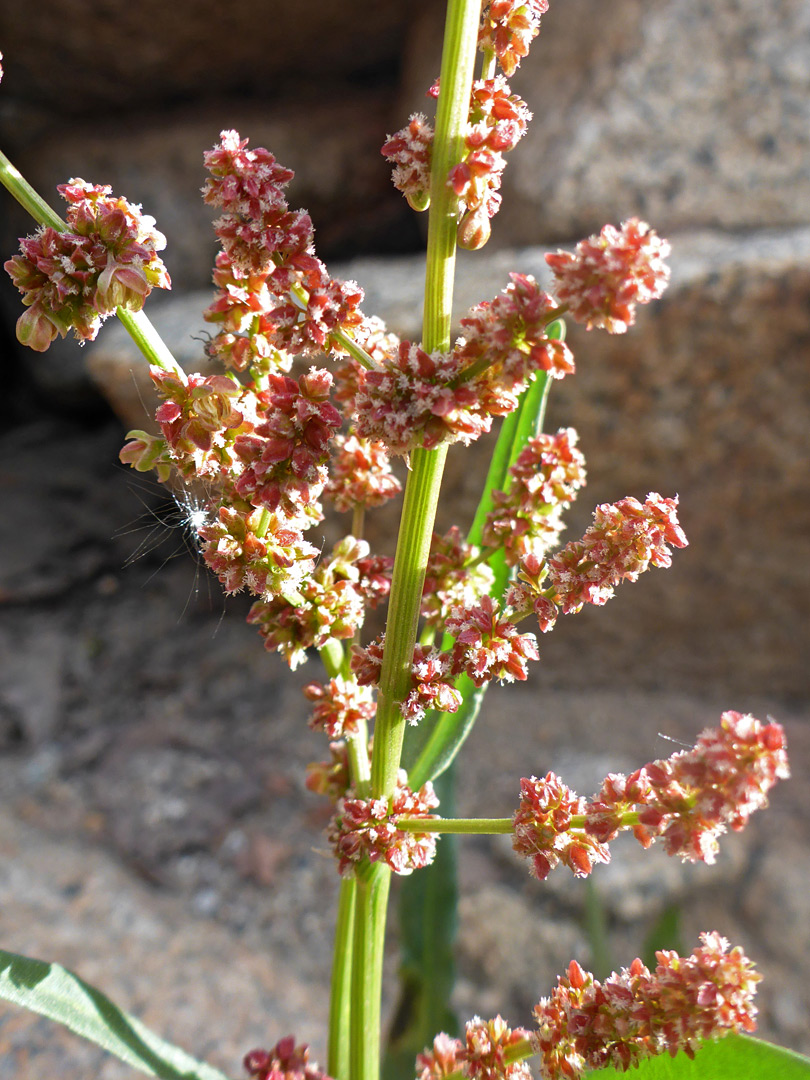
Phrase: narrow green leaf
(428,922)
(58,994)
(430,748)
(735,1057)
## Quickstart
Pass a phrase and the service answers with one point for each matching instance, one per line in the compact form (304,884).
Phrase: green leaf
(735,1057)
(58,994)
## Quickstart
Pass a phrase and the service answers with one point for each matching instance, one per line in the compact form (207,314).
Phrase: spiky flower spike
(624,540)
(689,800)
(637,1013)
(482,1055)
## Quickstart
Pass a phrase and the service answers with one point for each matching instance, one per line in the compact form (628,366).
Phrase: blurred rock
(194,983)
(707,396)
(687,114)
(156,160)
(74,57)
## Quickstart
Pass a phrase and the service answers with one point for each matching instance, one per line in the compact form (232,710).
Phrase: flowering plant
(272,445)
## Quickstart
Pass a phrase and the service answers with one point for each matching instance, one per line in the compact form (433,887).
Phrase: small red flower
(489,647)
(340,706)
(543,829)
(527,517)
(285,1061)
(610,273)
(410,150)
(367,828)
(508,29)
(360,474)
(587,1025)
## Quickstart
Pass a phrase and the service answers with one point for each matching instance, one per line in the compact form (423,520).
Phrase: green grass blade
(58,994)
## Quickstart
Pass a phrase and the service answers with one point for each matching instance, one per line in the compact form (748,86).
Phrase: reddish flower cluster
(624,540)
(610,273)
(274,292)
(340,706)
(449,582)
(506,340)
(411,402)
(480,1057)
(257,229)
(527,518)
(107,258)
(543,829)
(498,120)
(285,455)
(360,474)
(366,663)
(432,675)
(247,548)
(432,682)
(242,310)
(508,29)
(488,647)
(587,1025)
(330,603)
(285,1061)
(689,799)
(410,149)
(423,400)
(367,828)
(200,418)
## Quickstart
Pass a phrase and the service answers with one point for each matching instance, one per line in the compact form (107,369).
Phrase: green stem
(340,998)
(424,481)
(373,882)
(410,563)
(418,515)
(148,340)
(357,352)
(33,203)
(478,826)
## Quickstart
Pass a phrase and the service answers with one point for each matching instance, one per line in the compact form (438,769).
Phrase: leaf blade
(735,1057)
(60,995)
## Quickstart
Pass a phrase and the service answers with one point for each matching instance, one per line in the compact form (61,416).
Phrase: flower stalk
(268,449)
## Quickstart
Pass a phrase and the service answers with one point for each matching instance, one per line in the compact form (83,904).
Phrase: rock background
(152,833)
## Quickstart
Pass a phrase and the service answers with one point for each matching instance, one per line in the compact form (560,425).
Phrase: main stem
(427,466)
(413,544)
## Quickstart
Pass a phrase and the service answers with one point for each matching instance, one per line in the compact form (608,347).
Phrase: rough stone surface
(707,396)
(87,57)
(689,114)
(156,835)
